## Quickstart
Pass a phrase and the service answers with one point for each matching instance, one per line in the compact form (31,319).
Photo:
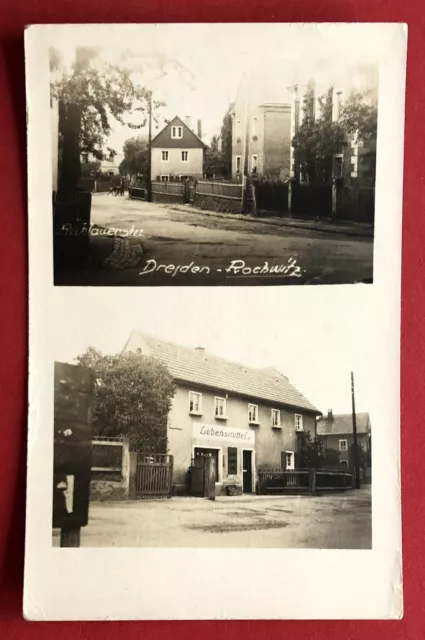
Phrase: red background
(13,329)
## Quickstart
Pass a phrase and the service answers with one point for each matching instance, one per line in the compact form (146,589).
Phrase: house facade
(336,431)
(261,121)
(354,162)
(244,418)
(177,152)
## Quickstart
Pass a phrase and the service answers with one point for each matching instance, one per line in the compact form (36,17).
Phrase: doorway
(247,471)
(201,452)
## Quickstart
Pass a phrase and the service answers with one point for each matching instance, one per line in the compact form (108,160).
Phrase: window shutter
(232,461)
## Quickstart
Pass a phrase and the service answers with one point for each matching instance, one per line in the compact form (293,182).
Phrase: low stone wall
(168,198)
(102,490)
(217,203)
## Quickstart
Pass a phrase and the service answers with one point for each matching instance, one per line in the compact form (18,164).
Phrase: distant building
(245,418)
(336,431)
(109,165)
(261,124)
(177,152)
(355,160)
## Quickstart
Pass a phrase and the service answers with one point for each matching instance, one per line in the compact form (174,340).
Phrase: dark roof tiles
(198,367)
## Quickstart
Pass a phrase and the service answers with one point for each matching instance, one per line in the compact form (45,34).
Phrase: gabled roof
(198,367)
(189,141)
(342,424)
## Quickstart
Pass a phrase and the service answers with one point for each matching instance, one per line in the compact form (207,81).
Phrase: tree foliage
(136,157)
(91,94)
(218,156)
(133,397)
(310,451)
(318,139)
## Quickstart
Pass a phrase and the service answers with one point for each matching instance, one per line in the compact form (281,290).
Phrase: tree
(310,451)
(133,397)
(226,140)
(90,95)
(213,159)
(136,158)
(319,139)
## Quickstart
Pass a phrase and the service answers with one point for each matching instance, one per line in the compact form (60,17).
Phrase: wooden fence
(166,188)
(107,454)
(302,481)
(154,476)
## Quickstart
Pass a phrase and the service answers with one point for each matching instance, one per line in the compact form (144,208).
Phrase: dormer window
(177,132)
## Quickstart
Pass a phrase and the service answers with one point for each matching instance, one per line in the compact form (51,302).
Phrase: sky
(310,335)
(215,57)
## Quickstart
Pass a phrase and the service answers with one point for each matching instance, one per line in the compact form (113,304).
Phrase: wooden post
(289,196)
(312,481)
(149,177)
(70,537)
(356,452)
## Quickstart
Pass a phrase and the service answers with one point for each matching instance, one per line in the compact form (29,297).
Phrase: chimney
(187,121)
(199,128)
(200,348)
(330,415)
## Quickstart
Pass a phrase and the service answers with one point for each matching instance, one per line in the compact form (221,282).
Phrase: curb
(307,226)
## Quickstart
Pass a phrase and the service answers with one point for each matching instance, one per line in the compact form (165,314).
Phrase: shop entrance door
(247,471)
(200,452)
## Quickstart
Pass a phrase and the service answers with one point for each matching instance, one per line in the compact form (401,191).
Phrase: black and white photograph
(211,441)
(198,425)
(214,155)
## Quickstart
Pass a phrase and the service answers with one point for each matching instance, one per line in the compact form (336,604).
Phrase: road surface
(186,247)
(338,521)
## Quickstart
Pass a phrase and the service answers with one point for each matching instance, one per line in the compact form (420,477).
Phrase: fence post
(170,471)
(312,481)
(125,467)
(289,196)
(132,475)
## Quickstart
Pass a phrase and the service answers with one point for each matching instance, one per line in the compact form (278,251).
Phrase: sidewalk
(347,228)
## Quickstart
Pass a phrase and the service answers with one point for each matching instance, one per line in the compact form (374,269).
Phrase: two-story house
(177,152)
(245,418)
(336,431)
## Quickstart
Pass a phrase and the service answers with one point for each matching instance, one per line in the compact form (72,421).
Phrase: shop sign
(223,434)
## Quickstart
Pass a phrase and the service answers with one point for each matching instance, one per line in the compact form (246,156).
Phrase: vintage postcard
(238,443)
(191,157)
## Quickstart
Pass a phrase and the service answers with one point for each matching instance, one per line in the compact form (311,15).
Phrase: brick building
(244,418)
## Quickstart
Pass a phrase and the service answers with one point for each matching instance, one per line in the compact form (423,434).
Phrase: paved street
(339,521)
(186,247)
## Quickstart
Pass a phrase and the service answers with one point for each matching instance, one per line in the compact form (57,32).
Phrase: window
(238,163)
(289,460)
(275,418)
(238,128)
(185,156)
(253,414)
(344,463)
(176,132)
(298,422)
(254,162)
(338,166)
(232,461)
(220,408)
(195,403)
(165,156)
(255,127)
(343,445)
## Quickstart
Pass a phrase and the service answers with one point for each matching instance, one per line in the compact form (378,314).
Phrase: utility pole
(356,452)
(149,180)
